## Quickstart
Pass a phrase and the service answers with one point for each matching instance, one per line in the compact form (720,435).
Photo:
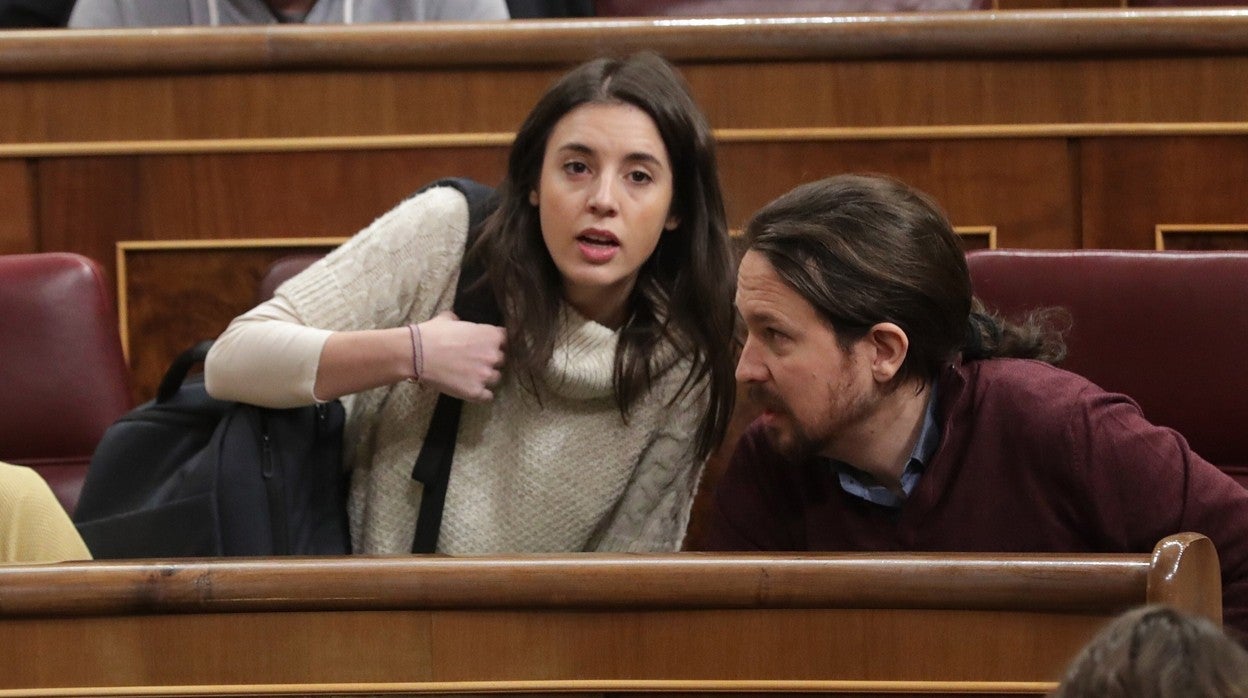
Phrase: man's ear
(889,347)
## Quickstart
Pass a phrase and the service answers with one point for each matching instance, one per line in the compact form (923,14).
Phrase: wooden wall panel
(171,650)
(89,203)
(935,92)
(1131,185)
(1024,187)
(460,649)
(177,296)
(832,92)
(267,105)
(789,644)
(86,204)
(17,208)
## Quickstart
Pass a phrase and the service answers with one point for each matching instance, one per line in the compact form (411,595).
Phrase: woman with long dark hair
(589,413)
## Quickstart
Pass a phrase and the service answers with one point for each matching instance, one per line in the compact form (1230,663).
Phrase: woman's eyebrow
(639,156)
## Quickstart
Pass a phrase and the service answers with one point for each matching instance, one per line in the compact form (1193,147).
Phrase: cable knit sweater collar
(583,364)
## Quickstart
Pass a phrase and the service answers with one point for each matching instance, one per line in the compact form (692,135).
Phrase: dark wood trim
(559,42)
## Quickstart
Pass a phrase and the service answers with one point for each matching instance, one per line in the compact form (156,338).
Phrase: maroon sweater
(1031,459)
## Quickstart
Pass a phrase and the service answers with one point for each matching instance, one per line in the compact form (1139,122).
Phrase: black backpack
(186,475)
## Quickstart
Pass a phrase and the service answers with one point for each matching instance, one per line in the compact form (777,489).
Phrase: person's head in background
(1158,652)
(612,203)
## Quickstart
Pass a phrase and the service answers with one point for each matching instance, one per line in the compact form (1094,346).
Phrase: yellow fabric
(33,525)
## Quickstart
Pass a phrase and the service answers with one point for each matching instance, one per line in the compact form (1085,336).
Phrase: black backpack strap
(176,374)
(474,302)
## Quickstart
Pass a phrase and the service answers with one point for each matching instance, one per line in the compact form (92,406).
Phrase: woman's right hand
(462,359)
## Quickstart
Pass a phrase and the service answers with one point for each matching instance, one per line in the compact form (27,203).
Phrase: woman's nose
(602,198)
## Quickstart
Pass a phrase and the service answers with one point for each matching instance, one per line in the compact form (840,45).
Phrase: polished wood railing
(1113,33)
(592,624)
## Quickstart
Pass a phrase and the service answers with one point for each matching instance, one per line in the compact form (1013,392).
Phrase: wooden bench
(587,624)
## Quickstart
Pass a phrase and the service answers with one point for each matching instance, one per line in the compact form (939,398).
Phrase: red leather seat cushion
(1166,328)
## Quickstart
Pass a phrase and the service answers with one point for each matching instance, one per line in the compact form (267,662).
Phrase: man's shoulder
(1015,379)
(1024,397)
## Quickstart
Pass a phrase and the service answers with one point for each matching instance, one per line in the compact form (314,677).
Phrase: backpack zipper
(273,485)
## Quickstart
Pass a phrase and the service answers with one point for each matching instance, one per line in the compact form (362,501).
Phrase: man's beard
(795,441)
(785,435)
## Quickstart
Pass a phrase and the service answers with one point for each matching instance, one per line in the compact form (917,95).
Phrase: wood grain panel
(935,92)
(217,649)
(1132,185)
(293,194)
(753,95)
(805,644)
(281,104)
(89,203)
(1052,582)
(1024,187)
(174,297)
(17,208)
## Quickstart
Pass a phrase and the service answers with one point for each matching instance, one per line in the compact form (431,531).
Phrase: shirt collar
(862,485)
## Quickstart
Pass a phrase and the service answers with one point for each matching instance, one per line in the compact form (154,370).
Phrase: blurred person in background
(215,13)
(1158,652)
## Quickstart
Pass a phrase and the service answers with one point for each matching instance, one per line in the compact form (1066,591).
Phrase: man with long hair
(899,416)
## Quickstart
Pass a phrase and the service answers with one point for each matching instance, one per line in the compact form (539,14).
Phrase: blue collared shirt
(861,484)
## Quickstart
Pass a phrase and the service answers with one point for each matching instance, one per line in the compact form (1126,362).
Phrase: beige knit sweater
(559,471)
(33,526)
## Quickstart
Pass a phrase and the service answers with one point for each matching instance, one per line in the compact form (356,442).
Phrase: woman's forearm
(352,362)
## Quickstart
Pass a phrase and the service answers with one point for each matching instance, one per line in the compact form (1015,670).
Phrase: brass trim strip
(555,686)
(988,231)
(1160,230)
(723,135)
(127,246)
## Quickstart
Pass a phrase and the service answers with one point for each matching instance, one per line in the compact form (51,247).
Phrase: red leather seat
(63,379)
(1166,328)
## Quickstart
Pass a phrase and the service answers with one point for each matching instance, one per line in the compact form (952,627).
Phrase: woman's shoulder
(432,206)
(431,226)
